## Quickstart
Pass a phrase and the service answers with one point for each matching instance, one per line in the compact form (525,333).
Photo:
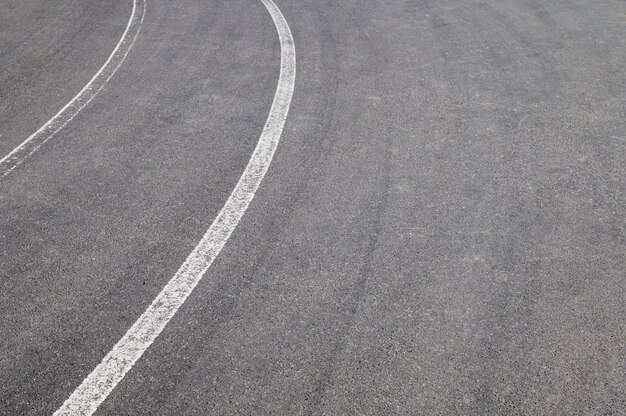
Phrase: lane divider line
(98,385)
(46,132)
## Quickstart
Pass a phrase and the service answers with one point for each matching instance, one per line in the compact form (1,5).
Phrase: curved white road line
(84,96)
(103,379)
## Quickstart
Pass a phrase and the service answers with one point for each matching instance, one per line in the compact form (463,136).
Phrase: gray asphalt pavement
(442,230)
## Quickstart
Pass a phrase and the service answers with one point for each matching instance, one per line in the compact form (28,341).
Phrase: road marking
(80,100)
(103,379)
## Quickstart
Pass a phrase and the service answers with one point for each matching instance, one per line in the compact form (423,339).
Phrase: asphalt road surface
(441,230)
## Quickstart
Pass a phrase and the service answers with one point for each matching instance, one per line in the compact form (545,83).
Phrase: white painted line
(103,379)
(84,96)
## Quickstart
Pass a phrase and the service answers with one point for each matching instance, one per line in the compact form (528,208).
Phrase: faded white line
(103,379)
(84,96)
